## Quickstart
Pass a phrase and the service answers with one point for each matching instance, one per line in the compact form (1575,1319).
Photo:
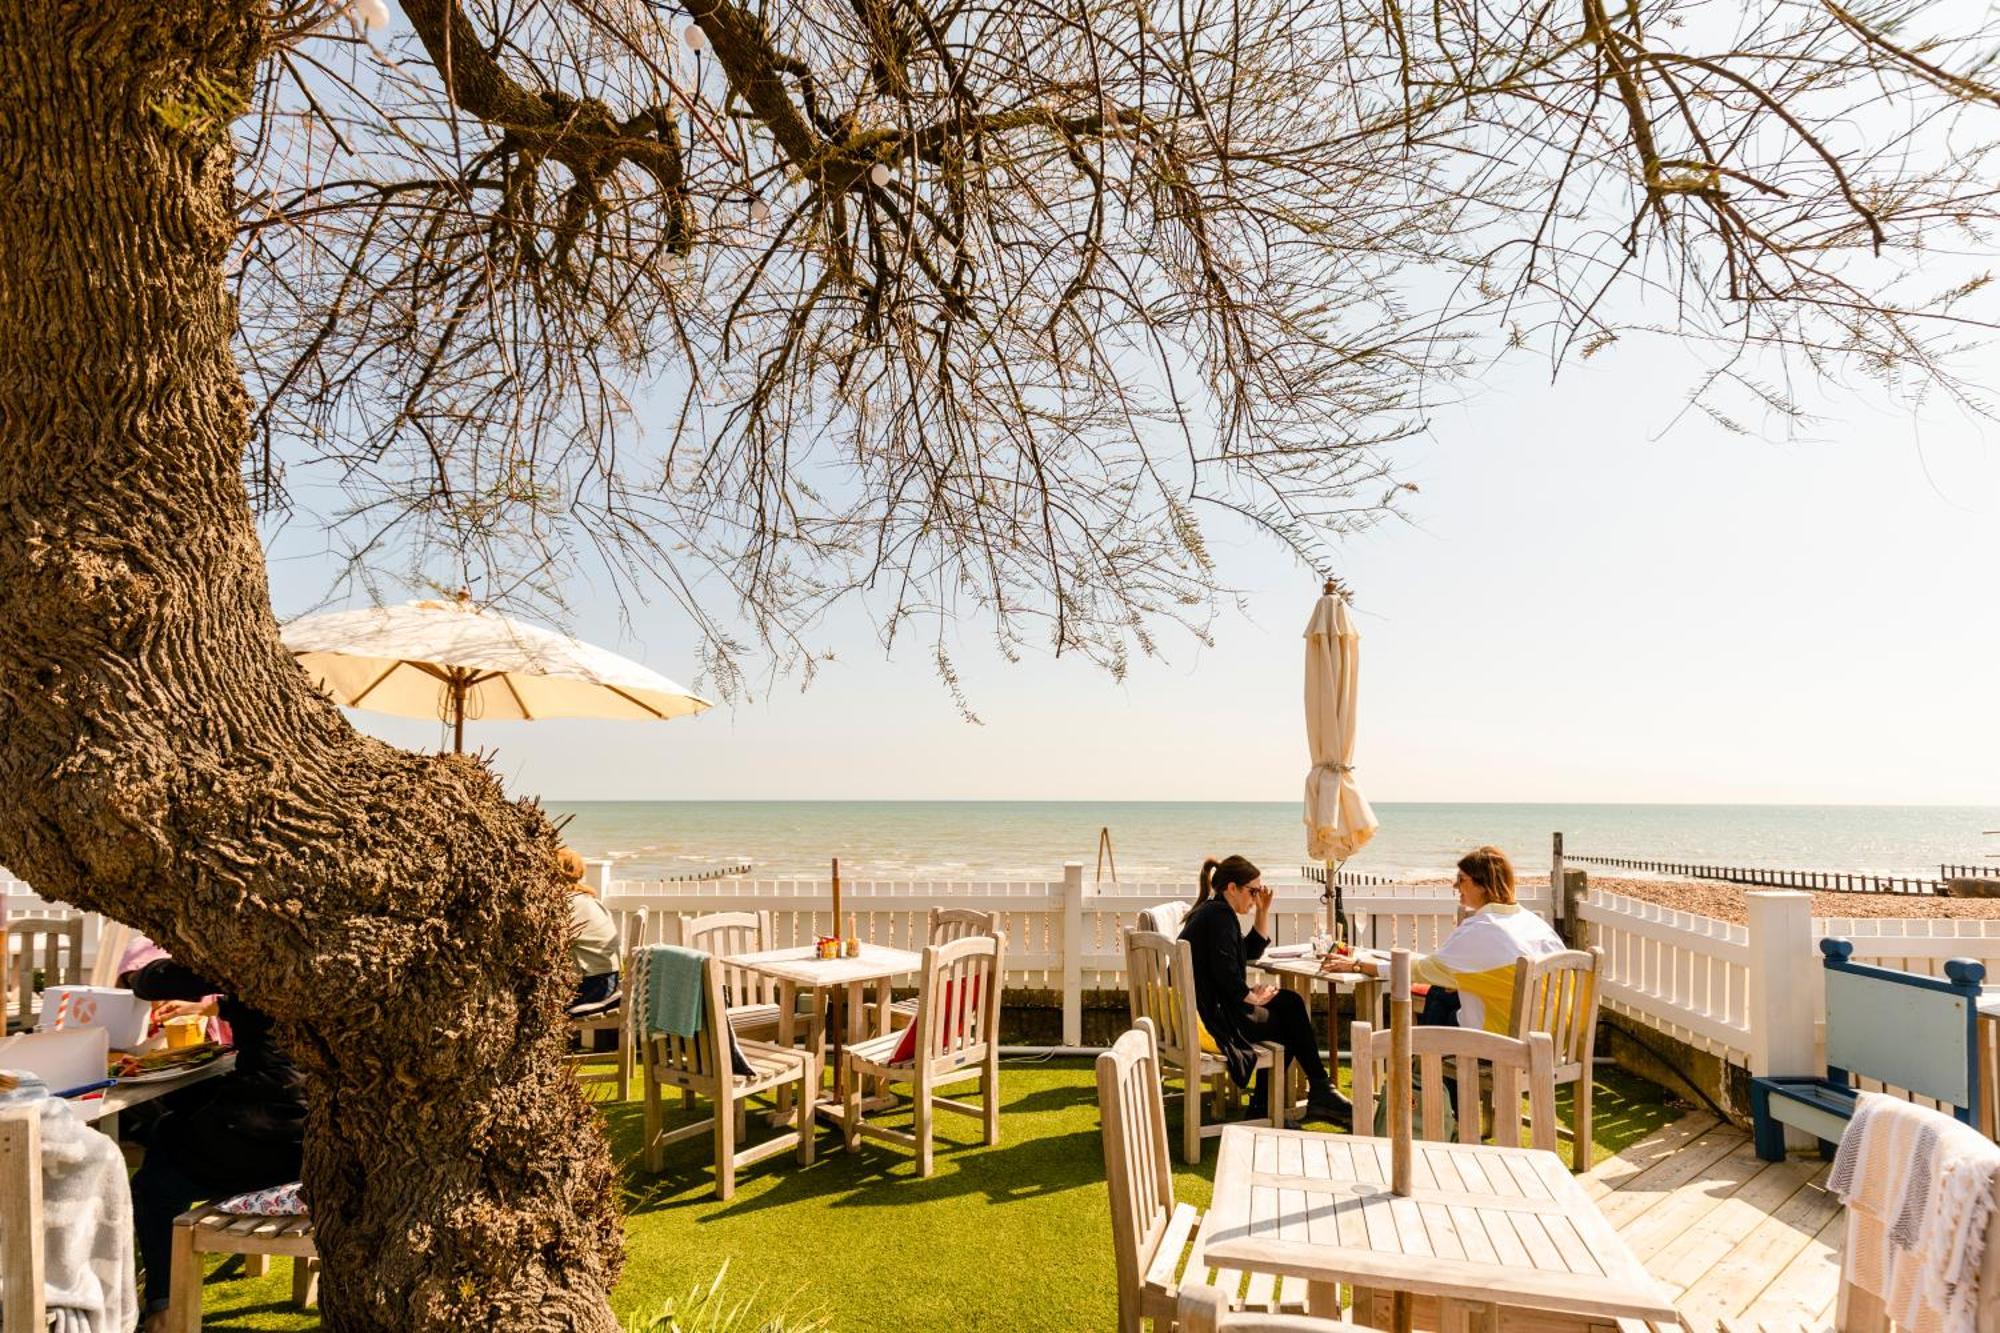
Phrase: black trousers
(1287,1021)
(189,1159)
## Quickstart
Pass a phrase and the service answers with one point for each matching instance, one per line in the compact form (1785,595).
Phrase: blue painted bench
(1903,1029)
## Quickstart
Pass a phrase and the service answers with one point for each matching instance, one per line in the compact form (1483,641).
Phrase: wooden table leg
(884,996)
(1323,1298)
(788,1035)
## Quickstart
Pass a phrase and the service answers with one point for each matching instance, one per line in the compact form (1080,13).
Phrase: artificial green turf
(1016,1236)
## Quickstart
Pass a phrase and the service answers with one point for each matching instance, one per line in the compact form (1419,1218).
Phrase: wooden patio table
(832,982)
(1300,974)
(1484,1227)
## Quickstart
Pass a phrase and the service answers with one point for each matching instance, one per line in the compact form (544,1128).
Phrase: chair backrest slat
(1159,985)
(723,935)
(53,946)
(1134,1128)
(682,1059)
(113,938)
(958,999)
(1557,994)
(955,923)
(1511,1063)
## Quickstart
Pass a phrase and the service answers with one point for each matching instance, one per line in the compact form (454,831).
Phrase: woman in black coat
(1239,1017)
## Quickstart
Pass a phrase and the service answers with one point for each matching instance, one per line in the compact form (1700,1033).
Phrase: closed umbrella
(453,661)
(1338,820)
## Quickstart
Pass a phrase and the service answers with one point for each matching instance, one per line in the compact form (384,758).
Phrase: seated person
(1238,1017)
(595,948)
(1471,976)
(237,1132)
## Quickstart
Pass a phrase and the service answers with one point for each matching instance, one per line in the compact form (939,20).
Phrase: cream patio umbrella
(1338,820)
(453,661)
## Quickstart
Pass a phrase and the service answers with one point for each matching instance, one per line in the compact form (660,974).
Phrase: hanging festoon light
(695,38)
(759,210)
(880,174)
(370,14)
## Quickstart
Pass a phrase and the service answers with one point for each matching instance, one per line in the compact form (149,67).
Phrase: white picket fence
(1753,994)
(1685,974)
(1062,935)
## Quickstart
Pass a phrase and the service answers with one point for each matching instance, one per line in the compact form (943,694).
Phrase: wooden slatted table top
(1485,1223)
(801,968)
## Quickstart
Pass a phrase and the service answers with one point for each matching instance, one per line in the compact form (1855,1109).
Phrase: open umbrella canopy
(453,661)
(1338,820)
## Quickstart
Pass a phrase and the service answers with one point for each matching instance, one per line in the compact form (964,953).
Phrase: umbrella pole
(457,713)
(1336,924)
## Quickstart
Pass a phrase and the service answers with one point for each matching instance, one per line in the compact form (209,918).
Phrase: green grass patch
(1016,1236)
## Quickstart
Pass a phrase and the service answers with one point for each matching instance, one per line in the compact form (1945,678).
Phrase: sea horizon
(982,838)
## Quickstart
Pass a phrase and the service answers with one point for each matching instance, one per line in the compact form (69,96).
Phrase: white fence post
(1782,982)
(597,874)
(1072,954)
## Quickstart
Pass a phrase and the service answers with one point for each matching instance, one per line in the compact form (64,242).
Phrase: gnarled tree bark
(163,760)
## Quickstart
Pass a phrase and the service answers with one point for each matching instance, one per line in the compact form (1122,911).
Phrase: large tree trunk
(163,760)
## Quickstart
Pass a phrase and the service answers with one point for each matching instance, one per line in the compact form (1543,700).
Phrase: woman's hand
(1260,996)
(1336,962)
(167,1009)
(1260,900)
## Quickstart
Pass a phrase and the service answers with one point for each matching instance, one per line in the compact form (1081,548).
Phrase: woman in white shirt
(594,949)
(1472,972)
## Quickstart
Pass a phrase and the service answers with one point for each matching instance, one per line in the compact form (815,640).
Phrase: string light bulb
(759,211)
(695,38)
(370,14)
(879,173)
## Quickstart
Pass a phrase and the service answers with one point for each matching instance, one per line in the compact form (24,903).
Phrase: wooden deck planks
(1745,1245)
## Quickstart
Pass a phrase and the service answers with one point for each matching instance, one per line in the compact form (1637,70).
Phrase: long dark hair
(1227,873)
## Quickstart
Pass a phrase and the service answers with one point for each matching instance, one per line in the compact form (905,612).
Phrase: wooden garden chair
(1558,995)
(1473,1059)
(1152,1234)
(635,930)
(753,997)
(957,1037)
(946,924)
(50,945)
(1159,985)
(700,1066)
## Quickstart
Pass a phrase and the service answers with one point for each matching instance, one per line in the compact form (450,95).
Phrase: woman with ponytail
(1239,1017)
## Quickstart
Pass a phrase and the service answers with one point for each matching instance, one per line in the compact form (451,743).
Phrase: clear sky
(1586,606)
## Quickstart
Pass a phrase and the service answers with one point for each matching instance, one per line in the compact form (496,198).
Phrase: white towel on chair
(88,1283)
(1918,1186)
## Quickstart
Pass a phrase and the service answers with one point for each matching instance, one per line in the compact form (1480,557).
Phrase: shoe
(1331,1107)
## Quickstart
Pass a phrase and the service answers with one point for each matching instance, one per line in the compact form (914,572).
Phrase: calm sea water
(944,840)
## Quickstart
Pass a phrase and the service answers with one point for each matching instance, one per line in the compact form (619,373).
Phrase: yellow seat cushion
(1203,1040)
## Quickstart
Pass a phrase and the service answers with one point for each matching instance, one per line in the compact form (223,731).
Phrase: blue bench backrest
(1907,1030)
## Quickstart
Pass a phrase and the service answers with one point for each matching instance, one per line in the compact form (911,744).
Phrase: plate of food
(161,1065)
